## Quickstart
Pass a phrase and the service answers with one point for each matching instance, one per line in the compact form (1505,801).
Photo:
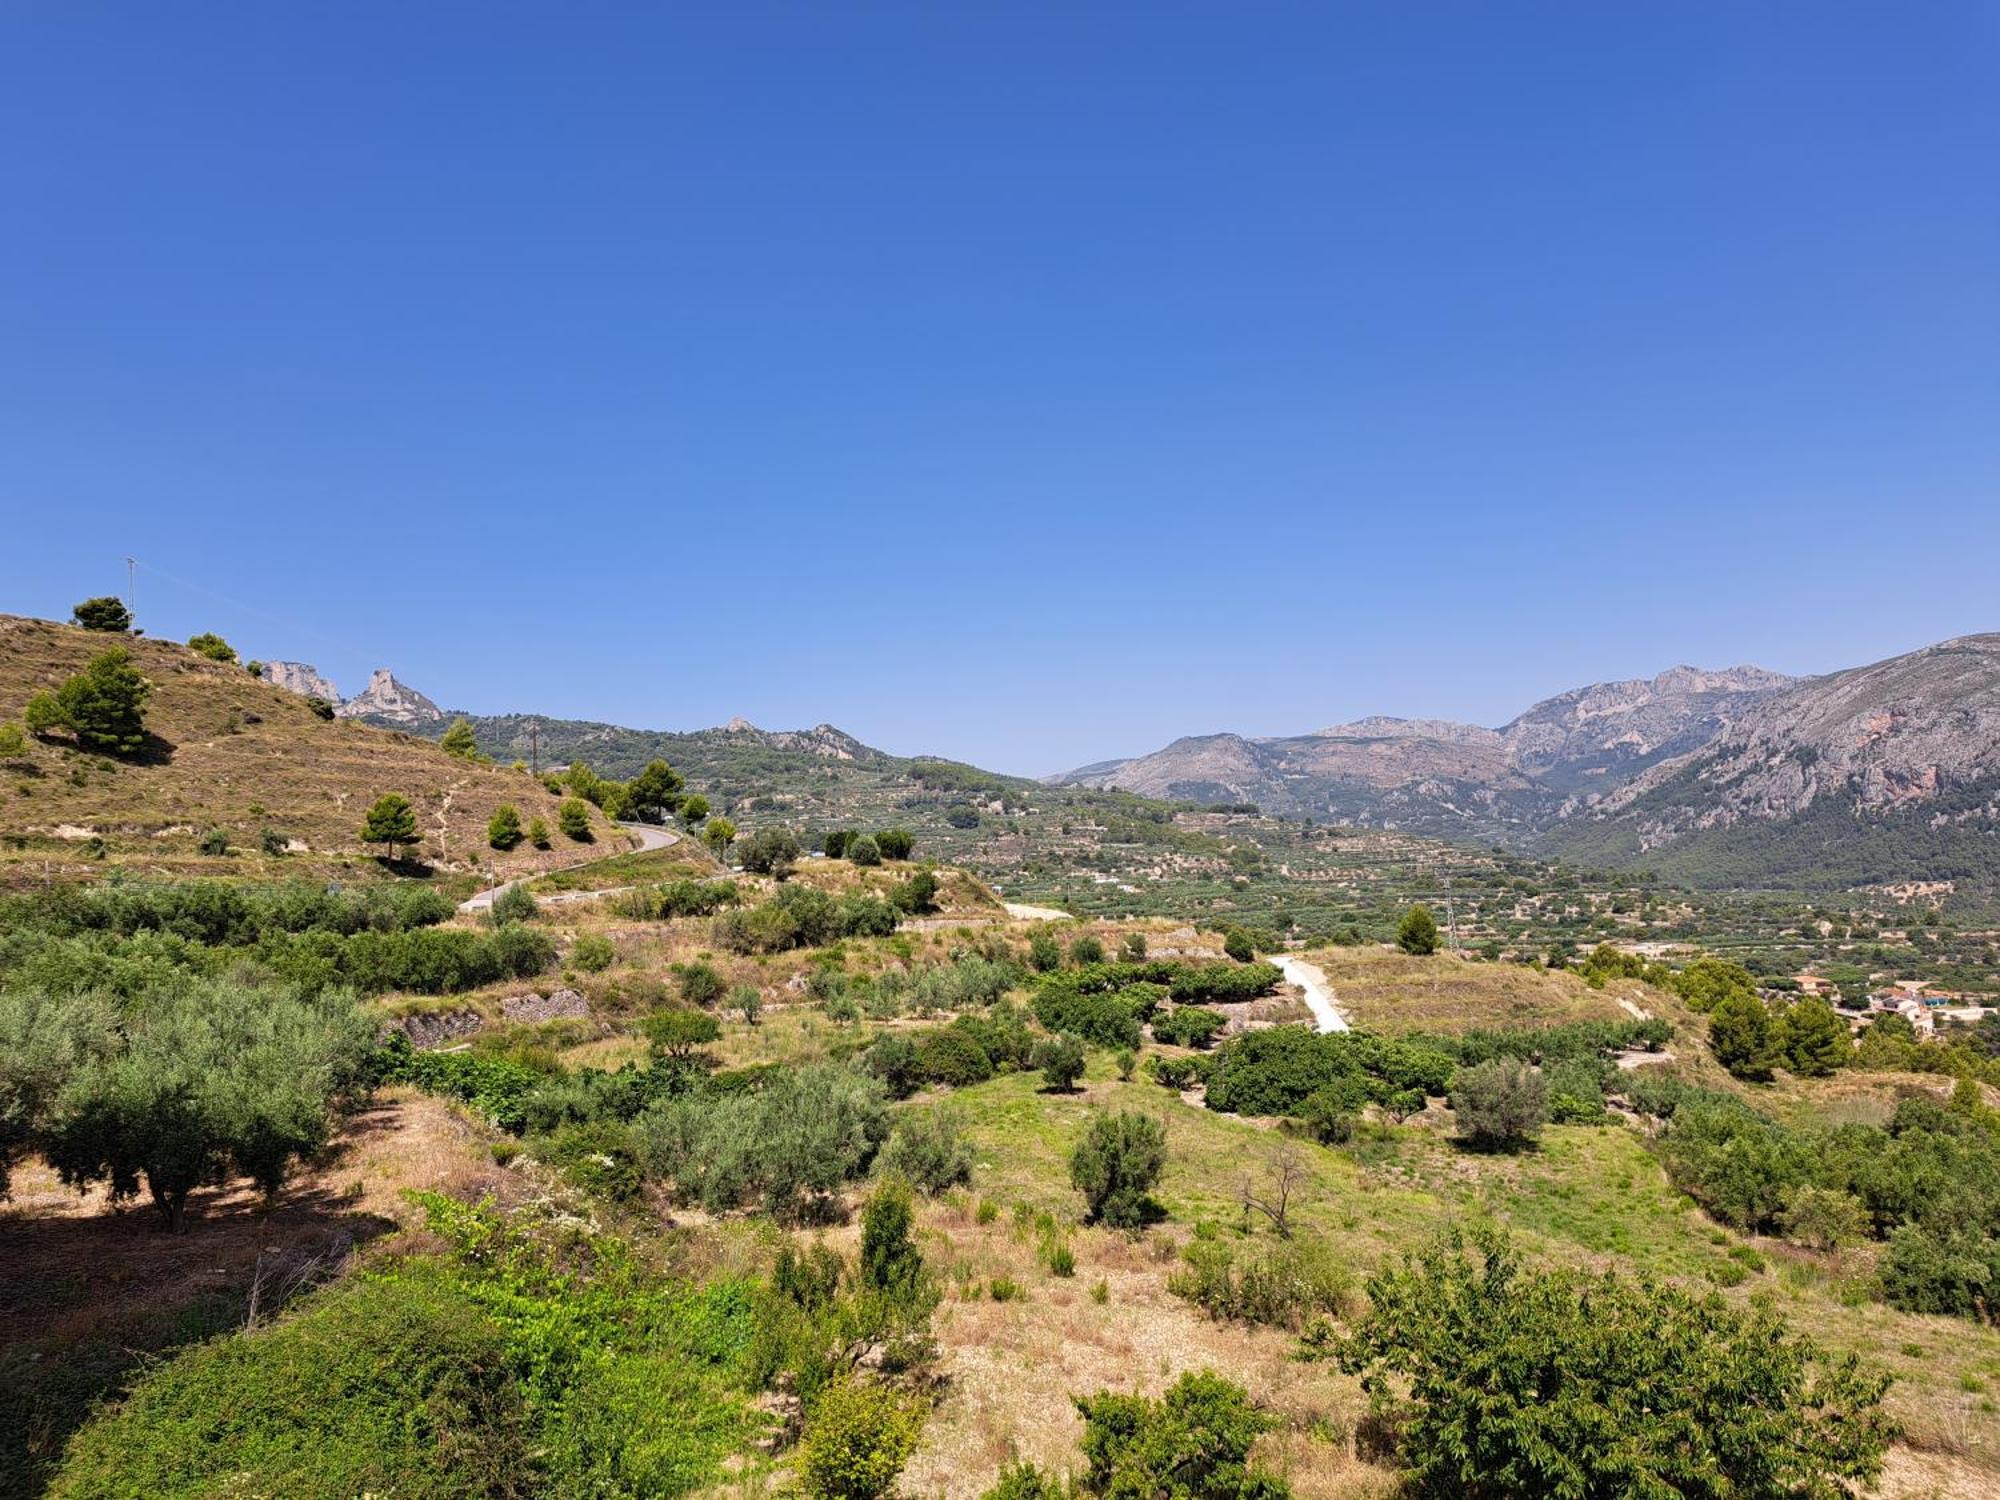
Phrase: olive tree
(222,1079)
(1117,1164)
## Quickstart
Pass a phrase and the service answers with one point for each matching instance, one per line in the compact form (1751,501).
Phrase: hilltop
(233,753)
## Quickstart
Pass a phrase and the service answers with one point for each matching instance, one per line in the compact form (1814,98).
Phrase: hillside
(230,752)
(1883,773)
(1439,777)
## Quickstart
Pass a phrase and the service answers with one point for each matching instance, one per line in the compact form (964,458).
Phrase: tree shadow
(154,750)
(88,1300)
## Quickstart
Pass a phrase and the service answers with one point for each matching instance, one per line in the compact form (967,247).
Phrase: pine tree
(459,741)
(1419,932)
(573,817)
(538,833)
(103,704)
(390,821)
(107,612)
(503,831)
(1742,1037)
(212,646)
(1815,1040)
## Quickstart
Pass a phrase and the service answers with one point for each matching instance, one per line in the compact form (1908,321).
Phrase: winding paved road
(649,836)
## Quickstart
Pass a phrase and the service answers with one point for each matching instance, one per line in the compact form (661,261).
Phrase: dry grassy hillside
(234,753)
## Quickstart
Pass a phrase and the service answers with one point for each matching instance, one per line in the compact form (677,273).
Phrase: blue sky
(1027,383)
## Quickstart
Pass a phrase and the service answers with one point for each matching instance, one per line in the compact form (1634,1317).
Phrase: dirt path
(1318,993)
(649,838)
(1036,913)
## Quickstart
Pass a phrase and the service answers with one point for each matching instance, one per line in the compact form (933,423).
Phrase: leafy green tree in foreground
(1116,1166)
(103,705)
(895,843)
(719,835)
(1418,933)
(503,829)
(1503,1381)
(694,810)
(107,612)
(863,850)
(390,820)
(212,646)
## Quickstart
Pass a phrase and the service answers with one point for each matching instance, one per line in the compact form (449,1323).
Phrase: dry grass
(1382,989)
(1010,1368)
(211,766)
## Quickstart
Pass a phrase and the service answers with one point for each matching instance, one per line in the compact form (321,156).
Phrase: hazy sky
(1027,383)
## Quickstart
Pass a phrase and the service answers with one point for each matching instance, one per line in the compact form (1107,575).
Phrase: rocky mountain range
(1740,777)
(1432,775)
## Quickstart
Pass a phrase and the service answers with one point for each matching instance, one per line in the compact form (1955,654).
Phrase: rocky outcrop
(530,1008)
(387,701)
(438,1027)
(821,739)
(1879,738)
(301,678)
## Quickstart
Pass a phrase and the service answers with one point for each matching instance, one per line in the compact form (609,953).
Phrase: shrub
(1086,949)
(1060,1062)
(1575,1384)
(215,842)
(747,1001)
(1194,1441)
(573,818)
(1287,1285)
(1187,1026)
(318,707)
(273,842)
(929,1149)
(374,1387)
(513,904)
(863,850)
(894,843)
(952,1056)
(1116,1165)
(700,983)
(1418,932)
(538,833)
(1044,952)
(212,646)
(592,952)
(503,829)
(1500,1103)
(106,612)
(1237,945)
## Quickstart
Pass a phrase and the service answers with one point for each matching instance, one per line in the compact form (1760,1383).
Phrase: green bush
(593,953)
(1286,1285)
(1193,1442)
(858,1437)
(403,1388)
(1578,1384)
(514,904)
(930,1150)
(1418,932)
(1187,1026)
(1502,1103)
(1060,1062)
(1116,1165)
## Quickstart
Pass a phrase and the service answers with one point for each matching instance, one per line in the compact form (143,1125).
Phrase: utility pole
(535,745)
(132,584)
